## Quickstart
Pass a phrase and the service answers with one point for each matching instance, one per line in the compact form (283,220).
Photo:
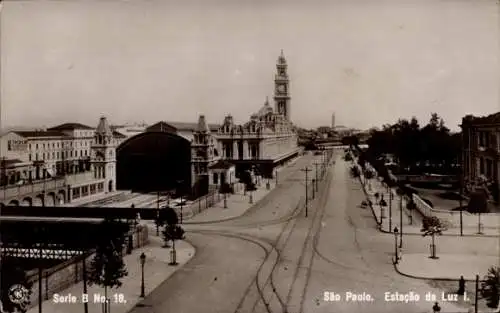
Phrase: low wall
(66,274)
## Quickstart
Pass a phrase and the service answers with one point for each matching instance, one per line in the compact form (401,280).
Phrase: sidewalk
(237,203)
(156,270)
(446,267)
(413,225)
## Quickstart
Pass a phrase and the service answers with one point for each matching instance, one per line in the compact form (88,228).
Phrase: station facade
(57,165)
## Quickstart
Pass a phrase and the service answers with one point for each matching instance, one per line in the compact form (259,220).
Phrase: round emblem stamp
(18,294)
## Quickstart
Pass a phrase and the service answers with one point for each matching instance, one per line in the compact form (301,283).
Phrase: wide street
(274,259)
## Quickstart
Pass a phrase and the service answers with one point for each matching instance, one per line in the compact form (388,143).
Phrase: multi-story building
(268,138)
(62,153)
(481,153)
(333,120)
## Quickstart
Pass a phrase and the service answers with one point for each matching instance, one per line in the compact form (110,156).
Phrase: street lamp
(396,245)
(180,182)
(143,261)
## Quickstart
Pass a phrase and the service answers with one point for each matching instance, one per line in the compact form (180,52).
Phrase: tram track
(268,293)
(272,196)
(338,263)
(260,288)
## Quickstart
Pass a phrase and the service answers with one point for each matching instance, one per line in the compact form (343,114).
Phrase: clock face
(281,88)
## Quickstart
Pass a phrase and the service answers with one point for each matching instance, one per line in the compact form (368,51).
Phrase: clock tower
(103,157)
(282,86)
(203,155)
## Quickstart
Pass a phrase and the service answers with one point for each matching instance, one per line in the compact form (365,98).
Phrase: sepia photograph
(249,156)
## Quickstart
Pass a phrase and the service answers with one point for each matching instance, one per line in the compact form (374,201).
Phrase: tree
(348,157)
(368,173)
(490,287)
(13,274)
(107,266)
(432,226)
(173,233)
(354,171)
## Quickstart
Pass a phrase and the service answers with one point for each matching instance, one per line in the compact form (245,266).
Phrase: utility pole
(460,203)
(306,170)
(477,294)
(400,220)
(316,173)
(461,176)
(390,210)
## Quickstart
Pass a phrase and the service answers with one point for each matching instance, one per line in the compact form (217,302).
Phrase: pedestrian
(436,308)
(461,286)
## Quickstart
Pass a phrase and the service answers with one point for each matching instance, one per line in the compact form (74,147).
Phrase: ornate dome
(265,109)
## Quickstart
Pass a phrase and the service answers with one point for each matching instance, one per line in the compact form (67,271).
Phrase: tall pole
(40,278)
(390,211)
(461,175)
(400,220)
(316,173)
(477,294)
(306,170)
(158,213)
(142,280)
(84,270)
(461,207)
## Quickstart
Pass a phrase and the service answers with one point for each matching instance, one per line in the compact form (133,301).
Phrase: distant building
(333,120)
(69,152)
(481,152)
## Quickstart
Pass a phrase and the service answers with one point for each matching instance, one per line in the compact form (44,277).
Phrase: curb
(242,214)
(429,278)
(412,234)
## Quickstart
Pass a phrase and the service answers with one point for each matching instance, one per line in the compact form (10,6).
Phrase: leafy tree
(490,287)
(369,174)
(169,217)
(13,274)
(348,157)
(173,233)
(354,171)
(107,267)
(432,226)
(417,149)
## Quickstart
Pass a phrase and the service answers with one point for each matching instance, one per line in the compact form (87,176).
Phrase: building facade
(481,153)
(65,155)
(268,139)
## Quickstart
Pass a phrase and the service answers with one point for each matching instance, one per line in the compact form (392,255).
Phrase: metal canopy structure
(53,239)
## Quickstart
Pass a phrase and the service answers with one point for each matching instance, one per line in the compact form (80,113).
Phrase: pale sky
(369,61)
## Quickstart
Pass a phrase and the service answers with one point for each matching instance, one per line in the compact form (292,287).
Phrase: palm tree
(490,287)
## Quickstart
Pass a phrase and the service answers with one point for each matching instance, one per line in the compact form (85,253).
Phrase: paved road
(352,256)
(223,274)
(267,261)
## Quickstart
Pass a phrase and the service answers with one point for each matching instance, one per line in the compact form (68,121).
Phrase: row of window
(60,144)
(486,167)
(487,139)
(84,191)
(58,155)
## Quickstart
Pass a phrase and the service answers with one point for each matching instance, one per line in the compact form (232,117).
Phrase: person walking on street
(436,308)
